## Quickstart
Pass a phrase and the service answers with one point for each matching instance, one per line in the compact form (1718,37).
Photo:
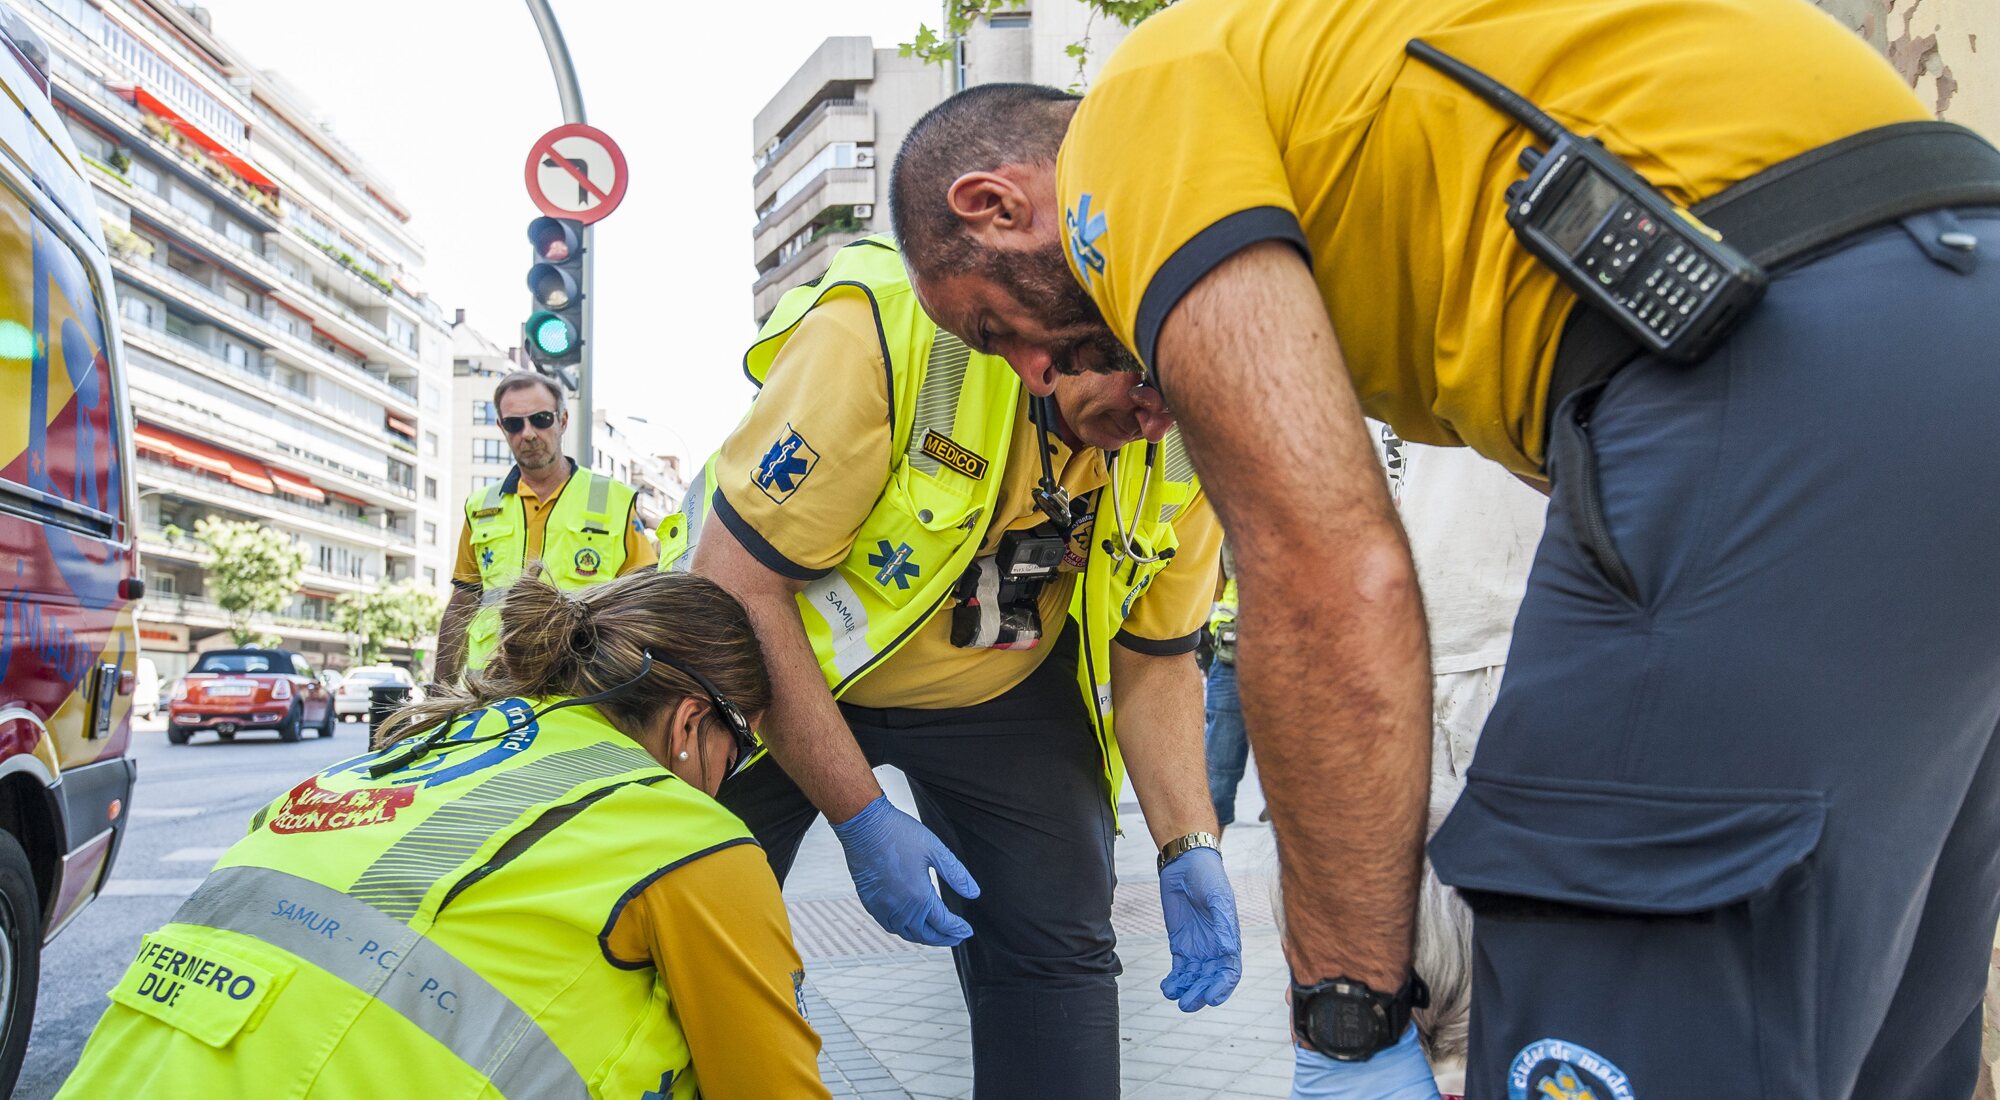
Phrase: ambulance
(69,572)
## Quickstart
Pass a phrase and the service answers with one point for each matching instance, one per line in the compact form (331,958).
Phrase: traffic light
(554,333)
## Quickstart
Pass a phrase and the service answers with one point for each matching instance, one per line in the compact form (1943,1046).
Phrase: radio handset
(1669,281)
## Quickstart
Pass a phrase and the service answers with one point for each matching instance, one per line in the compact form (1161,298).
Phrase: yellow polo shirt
(828,385)
(1221,123)
(640,553)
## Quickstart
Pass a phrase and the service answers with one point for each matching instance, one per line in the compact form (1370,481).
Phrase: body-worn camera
(998,596)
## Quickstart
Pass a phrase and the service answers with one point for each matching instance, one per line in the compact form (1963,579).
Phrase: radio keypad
(1675,282)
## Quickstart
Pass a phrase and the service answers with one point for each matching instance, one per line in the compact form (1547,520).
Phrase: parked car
(146,693)
(351,701)
(236,689)
(69,661)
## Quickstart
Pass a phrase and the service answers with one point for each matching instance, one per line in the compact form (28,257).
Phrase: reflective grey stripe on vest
(694,509)
(937,398)
(492,597)
(386,960)
(599,500)
(1177,467)
(441,843)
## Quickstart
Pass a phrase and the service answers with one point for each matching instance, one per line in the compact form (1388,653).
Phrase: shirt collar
(511,486)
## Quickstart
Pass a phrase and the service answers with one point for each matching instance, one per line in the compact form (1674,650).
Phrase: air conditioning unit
(864,209)
(864,158)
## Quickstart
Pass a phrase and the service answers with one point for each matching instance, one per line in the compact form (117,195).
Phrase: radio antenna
(1492,91)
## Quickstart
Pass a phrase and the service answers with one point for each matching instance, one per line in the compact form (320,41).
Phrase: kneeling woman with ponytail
(529,892)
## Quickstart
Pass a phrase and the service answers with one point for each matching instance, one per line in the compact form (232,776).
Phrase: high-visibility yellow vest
(1222,623)
(583,544)
(436,933)
(954,414)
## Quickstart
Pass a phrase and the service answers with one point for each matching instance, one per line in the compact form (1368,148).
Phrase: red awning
(189,130)
(188,451)
(398,424)
(295,485)
(150,442)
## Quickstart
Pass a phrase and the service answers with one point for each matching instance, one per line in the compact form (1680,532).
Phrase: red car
(234,689)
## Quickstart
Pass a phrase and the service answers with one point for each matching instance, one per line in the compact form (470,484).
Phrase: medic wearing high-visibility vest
(955,580)
(529,893)
(581,525)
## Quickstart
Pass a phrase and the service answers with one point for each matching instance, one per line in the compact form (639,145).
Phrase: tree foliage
(939,46)
(254,569)
(402,612)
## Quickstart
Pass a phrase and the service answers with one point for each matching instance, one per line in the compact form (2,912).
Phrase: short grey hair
(521,380)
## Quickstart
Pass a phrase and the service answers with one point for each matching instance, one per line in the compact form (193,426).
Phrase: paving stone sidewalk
(894,1024)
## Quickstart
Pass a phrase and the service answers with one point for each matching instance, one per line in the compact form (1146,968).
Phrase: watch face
(1347,1025)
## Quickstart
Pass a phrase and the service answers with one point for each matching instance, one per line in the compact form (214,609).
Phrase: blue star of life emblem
(892,563)
(1084,230)
(486,556)
(784,467)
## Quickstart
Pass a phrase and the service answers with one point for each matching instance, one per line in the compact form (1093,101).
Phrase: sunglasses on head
(512,425)
(747,743)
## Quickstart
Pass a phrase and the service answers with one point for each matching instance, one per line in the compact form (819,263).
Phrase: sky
(442,99)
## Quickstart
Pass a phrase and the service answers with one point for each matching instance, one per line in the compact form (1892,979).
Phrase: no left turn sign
(576,171)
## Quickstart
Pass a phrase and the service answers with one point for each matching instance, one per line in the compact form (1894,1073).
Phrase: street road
(192,802)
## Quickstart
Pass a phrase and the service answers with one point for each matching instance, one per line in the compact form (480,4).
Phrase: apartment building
(823,146)
(285,364)
(480,456)
(624,448)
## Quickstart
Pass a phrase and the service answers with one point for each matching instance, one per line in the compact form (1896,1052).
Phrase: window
(1000,20)
(431,575)
(430,488)
(840,154)
(430,533)
(236,295)
(191,204)
(235,354)
(479,483)
(431,444)
(141,310)
(490,450)
(76,457)
(402,473)
(145,177)
(482,413)
(241,236)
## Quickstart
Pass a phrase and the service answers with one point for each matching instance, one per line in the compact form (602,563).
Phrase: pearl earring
(682,756)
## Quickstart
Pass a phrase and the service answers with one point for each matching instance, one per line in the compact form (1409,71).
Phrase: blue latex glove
(1399,1073)
(1201,929)
(890,854)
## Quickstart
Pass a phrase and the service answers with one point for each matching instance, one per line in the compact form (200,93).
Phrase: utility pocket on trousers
(1611,915)
(1574,469)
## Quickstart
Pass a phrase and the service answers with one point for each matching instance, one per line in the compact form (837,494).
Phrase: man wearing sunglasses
(582,525)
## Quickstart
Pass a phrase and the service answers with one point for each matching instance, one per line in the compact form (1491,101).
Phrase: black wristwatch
(1347,1021)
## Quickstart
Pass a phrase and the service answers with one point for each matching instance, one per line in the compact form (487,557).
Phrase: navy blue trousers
(1013,788)
(1733,827)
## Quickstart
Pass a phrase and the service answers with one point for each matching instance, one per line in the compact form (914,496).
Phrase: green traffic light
(552,335)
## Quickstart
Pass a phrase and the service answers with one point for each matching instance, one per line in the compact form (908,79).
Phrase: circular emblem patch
(587,562)
(1551,1069)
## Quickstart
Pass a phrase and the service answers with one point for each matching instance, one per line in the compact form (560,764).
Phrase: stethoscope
(1054,502)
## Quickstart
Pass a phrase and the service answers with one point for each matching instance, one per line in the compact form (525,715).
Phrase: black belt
(1799,206)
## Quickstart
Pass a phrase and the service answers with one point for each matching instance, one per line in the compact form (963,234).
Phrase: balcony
(251,502)
(213,241)
(206,424)
(833,187)
(828,109)
(299,348)
(810,260)
(200,611)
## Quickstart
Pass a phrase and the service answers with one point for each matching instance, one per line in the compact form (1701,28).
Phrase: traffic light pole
(572,108)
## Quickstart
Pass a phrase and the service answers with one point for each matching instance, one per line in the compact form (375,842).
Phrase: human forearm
(1158,704)
(803,728)
(458,612)
(1332,660)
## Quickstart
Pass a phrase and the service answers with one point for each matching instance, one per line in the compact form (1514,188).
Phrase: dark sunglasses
(512,425)
(748,745)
